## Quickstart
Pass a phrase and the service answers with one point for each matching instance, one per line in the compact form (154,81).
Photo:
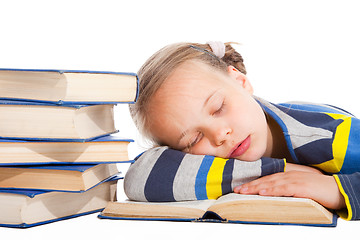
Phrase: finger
(255,186)
(285,190)
(288,186)
(267,182)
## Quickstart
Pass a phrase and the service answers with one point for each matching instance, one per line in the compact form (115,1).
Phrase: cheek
(240,118)
(254,117)
(261,119)
(203,147)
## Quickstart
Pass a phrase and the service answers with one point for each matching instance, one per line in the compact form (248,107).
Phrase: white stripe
(185,178)
(245,172)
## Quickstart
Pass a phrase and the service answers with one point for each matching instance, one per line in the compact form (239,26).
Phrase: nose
(220,134)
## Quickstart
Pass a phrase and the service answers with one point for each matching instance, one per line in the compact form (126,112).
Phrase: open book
(233,208)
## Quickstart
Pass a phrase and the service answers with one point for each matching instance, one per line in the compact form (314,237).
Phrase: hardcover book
(30,120)
(30,208)
(230,208)
(68,86)
(76,178)
(107,149)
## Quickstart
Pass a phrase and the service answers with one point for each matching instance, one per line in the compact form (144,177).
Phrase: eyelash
(197,139)
(220,109)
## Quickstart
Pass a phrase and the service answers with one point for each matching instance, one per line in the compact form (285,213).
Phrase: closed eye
(194,141)
(220,109)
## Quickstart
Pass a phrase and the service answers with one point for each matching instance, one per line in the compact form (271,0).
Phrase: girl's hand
(297,183)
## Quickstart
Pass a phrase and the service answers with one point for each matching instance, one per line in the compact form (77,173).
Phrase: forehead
(191,74)
(188,86)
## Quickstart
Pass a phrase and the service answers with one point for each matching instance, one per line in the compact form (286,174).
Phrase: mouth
(240,148)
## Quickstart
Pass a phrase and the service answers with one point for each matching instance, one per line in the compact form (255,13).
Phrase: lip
(240,148)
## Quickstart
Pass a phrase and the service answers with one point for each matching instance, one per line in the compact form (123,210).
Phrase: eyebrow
(183,134)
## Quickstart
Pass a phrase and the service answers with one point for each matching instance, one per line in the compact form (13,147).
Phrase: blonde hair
(161,64)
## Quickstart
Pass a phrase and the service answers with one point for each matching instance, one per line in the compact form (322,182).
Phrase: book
(30,208)
(68,86)
(231,208)
(106,149)
(77,178)
(50,122)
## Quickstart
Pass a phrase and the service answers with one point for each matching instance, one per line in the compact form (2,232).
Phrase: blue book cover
(126,85)
(104,138)
(38,103)
(217,219)
(72,167)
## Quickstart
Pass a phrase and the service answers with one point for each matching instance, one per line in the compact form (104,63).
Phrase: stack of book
(58,143)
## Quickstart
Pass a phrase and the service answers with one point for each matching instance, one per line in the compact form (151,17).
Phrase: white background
(294,50)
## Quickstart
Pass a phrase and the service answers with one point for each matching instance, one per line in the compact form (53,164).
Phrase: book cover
(214,218)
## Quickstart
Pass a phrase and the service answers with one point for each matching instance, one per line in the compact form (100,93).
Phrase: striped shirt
(325,137)
(164,174)
(321,136)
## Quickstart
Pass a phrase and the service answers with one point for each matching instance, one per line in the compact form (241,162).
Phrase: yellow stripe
(214,178)
(339,145)
(284,164)
(343,214)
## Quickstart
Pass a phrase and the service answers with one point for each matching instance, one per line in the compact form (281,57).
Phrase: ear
(240,78)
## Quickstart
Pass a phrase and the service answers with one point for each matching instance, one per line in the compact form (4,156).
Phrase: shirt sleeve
(349,186)
(163,174)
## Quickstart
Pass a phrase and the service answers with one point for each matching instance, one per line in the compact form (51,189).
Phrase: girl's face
(204,111)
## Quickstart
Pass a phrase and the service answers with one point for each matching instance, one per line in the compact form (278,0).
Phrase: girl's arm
(319,187)
(163,174)
(338,191)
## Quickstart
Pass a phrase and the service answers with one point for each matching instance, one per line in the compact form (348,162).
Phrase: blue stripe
(352,161)
(159,185)
(271,165)
(227,177)
(201,177)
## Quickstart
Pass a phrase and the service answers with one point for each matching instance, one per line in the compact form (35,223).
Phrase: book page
(201,204)
(255,208)
(241,197)
(165,210)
